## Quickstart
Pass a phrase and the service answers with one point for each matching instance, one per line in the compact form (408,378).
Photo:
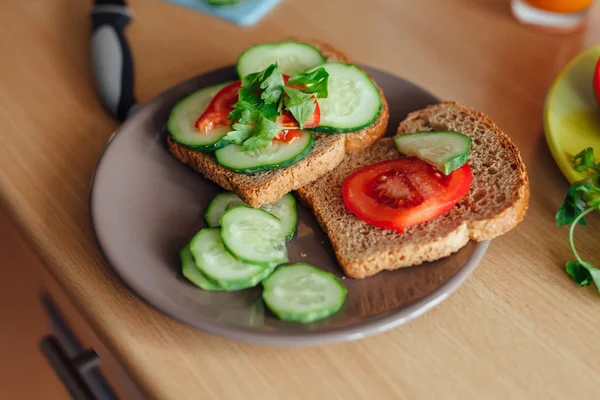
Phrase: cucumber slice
(219,204)
(446,150)
(183,118)
(254,236)
(284,209)
(218,264)
(193,273)
(353,102)
(293,57)
(303,293)
(275,156)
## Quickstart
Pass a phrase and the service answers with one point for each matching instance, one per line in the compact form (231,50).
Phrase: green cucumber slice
(293,57)
(275,156)
(193,273)
(446,150)
(184,115)
(284,209)
(353,102)
(303,293)
(254,236)
(219,204)
(217,264)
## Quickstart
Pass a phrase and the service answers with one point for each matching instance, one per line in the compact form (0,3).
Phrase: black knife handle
(111,58)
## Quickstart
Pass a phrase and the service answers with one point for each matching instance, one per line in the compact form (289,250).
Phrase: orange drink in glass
(552,15)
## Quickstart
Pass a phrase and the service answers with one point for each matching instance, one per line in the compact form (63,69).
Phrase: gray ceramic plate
(145,205)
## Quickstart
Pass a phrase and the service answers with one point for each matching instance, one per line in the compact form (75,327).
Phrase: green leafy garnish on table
(582,198)
(262,98)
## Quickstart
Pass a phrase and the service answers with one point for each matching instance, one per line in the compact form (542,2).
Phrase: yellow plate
(571,113)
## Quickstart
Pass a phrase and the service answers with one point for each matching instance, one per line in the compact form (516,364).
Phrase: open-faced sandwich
(296,110)
(449,175)
(302,119)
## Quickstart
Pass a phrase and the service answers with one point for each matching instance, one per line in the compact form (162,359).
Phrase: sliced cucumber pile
(275,156)
(246,250)
(181,123)
(303,293)
(445,150)
(293,57)
(254,236)
(353,102)
(284,209)
(220,266)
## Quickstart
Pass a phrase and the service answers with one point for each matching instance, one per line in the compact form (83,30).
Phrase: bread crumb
(302,254)
(343,277)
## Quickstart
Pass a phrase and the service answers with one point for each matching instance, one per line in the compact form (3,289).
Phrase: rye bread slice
(267,187)
(496,202)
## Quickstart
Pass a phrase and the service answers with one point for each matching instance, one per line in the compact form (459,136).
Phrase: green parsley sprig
(582,198)
(262,98)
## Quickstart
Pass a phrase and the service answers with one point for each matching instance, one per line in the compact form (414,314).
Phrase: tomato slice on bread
(217,111)
(396,194)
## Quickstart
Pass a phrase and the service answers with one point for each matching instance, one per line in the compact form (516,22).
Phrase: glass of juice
(560,16)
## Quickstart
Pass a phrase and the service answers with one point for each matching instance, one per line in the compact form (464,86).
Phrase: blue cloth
(246,13)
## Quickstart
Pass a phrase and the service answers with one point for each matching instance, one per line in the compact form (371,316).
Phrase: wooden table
(518,328)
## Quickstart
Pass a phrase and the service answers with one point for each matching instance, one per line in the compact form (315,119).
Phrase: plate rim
(359,330)
(569,172)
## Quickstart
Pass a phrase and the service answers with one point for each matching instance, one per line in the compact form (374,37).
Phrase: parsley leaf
(260,91)
(241,130)
(583,273)
(264,131)
(253,131)
(272,85)
(586,161)
(315,82)
(300,105)
(579,273)
(582,198)
(573,205)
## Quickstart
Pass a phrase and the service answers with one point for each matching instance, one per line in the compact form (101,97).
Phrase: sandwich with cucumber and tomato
(296,110)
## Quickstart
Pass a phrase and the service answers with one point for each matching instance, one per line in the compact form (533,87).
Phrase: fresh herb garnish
(260,91)
(261,100)
(300,105)
(315,82)
(582,198)
(253,131)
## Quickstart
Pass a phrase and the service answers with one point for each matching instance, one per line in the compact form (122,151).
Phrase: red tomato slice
(217,112)
(395,194)
(288,136)
(596,82)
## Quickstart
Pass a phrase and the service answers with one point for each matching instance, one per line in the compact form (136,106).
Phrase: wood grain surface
(518,328)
